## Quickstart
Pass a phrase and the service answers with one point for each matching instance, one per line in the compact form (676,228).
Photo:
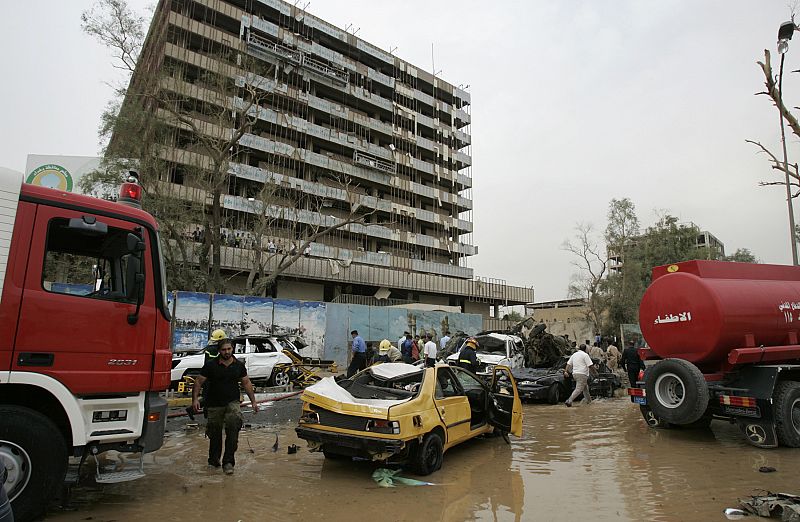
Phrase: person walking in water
(223,374)
(579,366)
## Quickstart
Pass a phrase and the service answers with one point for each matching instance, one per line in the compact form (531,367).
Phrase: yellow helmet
(218,335)
(385,345)
(472,342)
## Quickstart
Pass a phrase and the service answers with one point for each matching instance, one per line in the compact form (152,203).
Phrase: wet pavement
(597,461)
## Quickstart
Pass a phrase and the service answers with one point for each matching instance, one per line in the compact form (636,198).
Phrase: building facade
(347,128)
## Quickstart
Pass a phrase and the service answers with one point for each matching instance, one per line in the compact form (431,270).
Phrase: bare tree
(772,84)
(591,262)
(268,263)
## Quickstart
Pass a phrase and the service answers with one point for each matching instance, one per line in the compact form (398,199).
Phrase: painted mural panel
(257,313)
(228,313)
(285,317)
(398,323)
(337,332)
(428,322)
(379,324)
(359,320)
(190,321)
(468,323)
(312,328)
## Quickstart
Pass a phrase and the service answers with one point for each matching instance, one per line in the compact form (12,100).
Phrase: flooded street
(599,461)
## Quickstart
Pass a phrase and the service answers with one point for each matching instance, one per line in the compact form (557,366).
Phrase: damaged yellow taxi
(403,413)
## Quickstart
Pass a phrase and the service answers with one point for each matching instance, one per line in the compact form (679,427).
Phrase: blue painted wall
(325,326)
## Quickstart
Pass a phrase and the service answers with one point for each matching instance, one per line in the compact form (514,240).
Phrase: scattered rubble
(782,505)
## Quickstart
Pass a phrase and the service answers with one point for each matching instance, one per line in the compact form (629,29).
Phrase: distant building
(565,316)
(336,106)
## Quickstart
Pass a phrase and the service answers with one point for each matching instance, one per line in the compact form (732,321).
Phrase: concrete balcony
(329,270)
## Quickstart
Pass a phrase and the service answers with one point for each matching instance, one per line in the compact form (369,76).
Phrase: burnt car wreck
(549,384)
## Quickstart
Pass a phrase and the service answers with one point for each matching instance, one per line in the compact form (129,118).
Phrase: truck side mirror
(135,274)
(134,244)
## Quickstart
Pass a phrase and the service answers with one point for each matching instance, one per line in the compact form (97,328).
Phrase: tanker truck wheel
(35,455)
(787,413)
(676,391)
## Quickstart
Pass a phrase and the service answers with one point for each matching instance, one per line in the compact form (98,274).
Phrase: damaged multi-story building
(340,108)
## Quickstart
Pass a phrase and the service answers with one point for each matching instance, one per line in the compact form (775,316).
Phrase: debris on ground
(388,478)
(782,505)
(735,514)
(543,349)
(766,469)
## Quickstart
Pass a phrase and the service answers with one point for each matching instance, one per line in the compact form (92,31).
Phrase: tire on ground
(47,452)
(786,401)
(554,393)
(279,377)
(429,455)
(676,391)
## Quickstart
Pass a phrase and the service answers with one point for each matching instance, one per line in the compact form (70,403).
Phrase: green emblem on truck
(51,176)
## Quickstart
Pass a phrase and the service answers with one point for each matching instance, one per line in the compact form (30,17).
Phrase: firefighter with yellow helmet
(467,358)
(211,352)
(389,352)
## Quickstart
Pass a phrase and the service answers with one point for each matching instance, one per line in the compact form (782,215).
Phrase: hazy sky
(574,103)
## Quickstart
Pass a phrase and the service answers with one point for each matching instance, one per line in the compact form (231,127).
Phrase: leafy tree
(513,316)
(667,241)
(623,284)
(742,255)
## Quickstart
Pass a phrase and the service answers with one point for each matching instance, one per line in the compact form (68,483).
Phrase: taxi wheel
(429,455)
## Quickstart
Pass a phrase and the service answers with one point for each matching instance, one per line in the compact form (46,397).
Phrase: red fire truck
(84,336)
(726,335)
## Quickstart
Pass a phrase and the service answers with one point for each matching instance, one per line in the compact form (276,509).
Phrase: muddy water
(598,461)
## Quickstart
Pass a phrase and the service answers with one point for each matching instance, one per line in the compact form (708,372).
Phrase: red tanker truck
(725,337)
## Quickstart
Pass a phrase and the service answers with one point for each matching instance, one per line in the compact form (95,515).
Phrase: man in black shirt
(223,375)
(632,363)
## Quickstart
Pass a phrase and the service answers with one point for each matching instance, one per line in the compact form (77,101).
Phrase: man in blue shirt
(359,360)
(444,340)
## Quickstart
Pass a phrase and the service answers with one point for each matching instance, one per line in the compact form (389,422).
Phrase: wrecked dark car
(549,384)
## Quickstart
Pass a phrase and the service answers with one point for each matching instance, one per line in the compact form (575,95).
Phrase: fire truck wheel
(676,391)
(787,413)
(35,455)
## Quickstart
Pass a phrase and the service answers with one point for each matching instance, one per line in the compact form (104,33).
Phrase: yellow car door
(505,412)
(452,405)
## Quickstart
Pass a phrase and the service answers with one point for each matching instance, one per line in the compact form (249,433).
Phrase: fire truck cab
(84,336)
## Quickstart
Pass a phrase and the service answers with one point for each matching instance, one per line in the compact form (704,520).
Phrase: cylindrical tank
(700,319)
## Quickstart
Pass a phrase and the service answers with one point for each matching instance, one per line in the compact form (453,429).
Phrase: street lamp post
(785,33)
